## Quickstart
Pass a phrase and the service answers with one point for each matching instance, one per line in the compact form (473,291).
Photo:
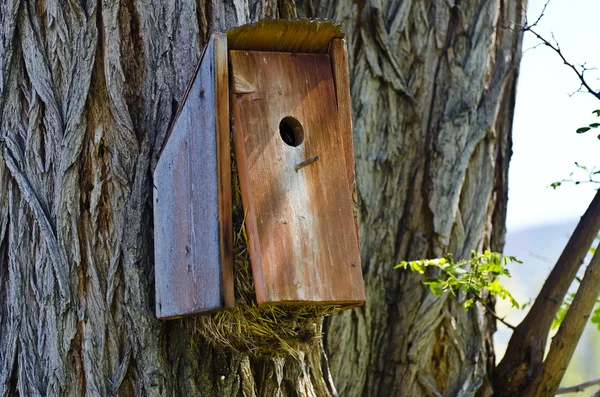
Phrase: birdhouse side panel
(289,147)
(341,79)
(188,202)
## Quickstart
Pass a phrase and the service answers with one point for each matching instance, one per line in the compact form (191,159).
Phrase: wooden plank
(224,169)
(181,104)
(339,66)
(192,197)
(280,35)
(302,240)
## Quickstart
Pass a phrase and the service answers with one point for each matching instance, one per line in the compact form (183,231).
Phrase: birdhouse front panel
(289,136)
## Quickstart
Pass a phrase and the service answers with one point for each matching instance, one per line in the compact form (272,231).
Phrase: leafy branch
(592,176)
(581,130)
(472,276)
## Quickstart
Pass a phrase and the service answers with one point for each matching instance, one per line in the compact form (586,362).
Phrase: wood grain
(224,168)
(303,243)
(298,36)
(339,66)
(192,193)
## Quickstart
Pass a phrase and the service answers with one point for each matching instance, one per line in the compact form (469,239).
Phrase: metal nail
(305,163)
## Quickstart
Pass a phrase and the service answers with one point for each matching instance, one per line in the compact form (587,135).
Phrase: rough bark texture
(433,93)
(87,90)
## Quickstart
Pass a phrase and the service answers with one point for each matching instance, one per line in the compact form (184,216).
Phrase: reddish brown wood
(280,35)
(303,242)
(192,197)
(339,66)
(224,169)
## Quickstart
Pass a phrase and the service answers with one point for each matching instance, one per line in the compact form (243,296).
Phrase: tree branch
(591,174)
(495,315)
(579,387)
(525,351)
(539,18)
(546,381)
(556,48)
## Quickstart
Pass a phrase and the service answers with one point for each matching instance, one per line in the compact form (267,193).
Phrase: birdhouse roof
(298,36)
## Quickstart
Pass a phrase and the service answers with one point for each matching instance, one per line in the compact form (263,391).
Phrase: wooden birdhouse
(284,86)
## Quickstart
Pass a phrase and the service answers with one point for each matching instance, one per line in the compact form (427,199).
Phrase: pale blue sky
(546,117)
(545,147)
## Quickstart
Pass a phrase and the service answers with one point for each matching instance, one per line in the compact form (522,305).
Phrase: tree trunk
(87,90)
(433,97)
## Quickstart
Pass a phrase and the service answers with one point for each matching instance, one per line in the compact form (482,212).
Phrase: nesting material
(266,330)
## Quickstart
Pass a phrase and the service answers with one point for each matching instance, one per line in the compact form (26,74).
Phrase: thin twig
(494,314)
(591,173)
(580,387)
(556,48)
(539,18)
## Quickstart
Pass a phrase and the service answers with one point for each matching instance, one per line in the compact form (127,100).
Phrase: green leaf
(482,273)
(596,317)
(582,130)
(597,112)
(595,125)
(415,266)
(562,311)
(435,286)
(468,303)
(560,316)
(401,265)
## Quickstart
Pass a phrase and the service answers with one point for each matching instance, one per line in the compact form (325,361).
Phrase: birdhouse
(282,89)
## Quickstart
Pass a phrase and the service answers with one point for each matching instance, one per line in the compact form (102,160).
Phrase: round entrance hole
(291,131)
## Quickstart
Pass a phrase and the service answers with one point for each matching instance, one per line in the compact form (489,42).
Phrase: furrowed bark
(87,91)
(526,348)
(433,93)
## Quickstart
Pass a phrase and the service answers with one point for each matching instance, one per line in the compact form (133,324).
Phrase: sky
(545,145)
(545,148)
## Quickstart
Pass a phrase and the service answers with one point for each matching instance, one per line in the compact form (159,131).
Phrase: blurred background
(545,149)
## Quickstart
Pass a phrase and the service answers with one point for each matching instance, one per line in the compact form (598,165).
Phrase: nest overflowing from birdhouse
(265,330)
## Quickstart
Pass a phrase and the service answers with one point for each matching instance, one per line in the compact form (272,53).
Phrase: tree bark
(87,91)
(433,95)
